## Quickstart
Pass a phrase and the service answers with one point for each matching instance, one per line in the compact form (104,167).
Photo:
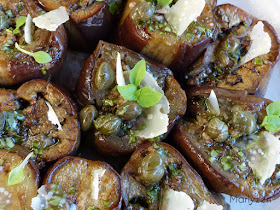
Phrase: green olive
(105,76)
(129,110)
(245,122)
(108,124)
(217,130)
(142,11)
(151,168)
(87,115)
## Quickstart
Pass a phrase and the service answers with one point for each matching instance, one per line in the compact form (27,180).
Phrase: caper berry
(108,124)
(129,110)
(151,168)
(245,122)
(217,130)
(87,115)
(104,77)
(142,11)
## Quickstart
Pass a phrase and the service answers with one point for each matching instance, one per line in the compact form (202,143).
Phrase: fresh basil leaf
(16,175)
(273,108)
(114,7)
(137,73)
(164,2)
(128,91)
(42,57)
(146,97)
(271,123)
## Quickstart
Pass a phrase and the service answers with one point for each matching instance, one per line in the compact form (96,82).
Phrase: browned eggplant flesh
(17,60)
(40,117)
(233,147)
(88,184)
(157,176)
(19,195)
(160,32)
(243,56)
(90,21)
(118,122)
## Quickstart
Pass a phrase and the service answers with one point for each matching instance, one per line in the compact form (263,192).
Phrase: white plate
(268,10)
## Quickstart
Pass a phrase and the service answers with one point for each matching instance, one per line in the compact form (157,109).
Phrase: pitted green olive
(108,124)
(217,130)
(152,168)
(87,115)
(245,122)
(142,11)
(104,77)
(129,110)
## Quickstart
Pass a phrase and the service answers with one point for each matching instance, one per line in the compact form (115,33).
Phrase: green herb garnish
(145,96)
(258,61)
(16,175)
(271,122)
(213,155)
(39,56)
(114,7)
(107,203)
(164,2)
(227,163)
(173,169)
(20,22)
(154,193)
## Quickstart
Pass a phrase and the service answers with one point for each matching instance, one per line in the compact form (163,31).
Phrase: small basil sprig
(39,56)
(271,122)
(16,175)
(20,22)
(145,96)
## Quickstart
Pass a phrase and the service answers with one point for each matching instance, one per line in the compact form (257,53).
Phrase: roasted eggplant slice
(17,196)
(17,66)
(157,175)
(121,122)
(175,36)
(90,21)
(243,56)
(226,140)
(40,117)
(89,184)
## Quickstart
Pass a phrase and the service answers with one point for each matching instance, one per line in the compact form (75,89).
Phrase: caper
(129,110)
(87,115)
(151,168)
(217,130)
(104,77)
(245,122)
(108,124)
(142,11)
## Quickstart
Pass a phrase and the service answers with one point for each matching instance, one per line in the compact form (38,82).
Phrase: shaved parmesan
(176,200)
(264,156)
(28,29)
(97,174)
(207,206)
(51,20)
(119,71)
(213,104)
(261,43)
(53,117)
(183,13)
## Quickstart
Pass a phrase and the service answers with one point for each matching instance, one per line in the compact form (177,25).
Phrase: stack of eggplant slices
(139,105)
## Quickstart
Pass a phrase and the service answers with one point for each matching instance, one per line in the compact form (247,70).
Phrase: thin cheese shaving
(213,104)
(28,29)
(97,174)
(53,117)
(119,71)
(52,20)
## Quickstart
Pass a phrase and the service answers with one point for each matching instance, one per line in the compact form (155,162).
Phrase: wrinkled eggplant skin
(247,77)
(214,180)
(136,39)
(87,94)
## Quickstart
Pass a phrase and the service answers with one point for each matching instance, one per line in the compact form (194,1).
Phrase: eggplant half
(158,177)
(40,117)
(227,137)
(90,21)
(16,66)
(120,124)
(17,196)
(243,56)
(88,184)
(167,33)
